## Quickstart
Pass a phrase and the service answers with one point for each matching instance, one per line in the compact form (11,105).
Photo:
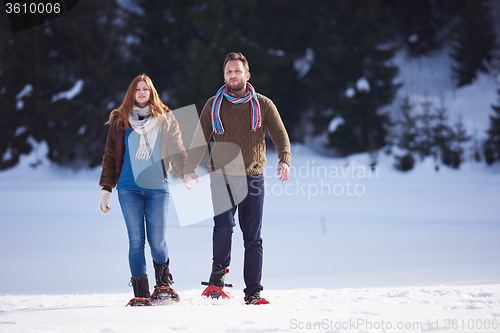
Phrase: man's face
(235,75)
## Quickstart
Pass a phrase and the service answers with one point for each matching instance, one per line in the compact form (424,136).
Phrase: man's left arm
(279,136)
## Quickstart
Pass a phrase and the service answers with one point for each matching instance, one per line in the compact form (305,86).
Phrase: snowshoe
(215,292)
(255,299)
(164,295)
(216,283)
(139,301)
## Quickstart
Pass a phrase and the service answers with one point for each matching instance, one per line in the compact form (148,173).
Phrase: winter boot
(216,283)
(141,291)
(218,275)
(163,290)
(255,299)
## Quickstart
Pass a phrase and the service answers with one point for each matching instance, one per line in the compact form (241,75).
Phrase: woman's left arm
(175,151)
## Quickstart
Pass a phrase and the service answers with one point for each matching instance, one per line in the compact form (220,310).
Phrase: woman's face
(141,94)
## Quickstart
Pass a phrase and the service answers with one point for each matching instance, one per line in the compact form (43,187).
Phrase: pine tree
(95,56)
(441,141)
(425,139)
(474,43)
(351,76)
(491,145)
(189,40)
(24,64)
(54,58)
(408,136)
(421,26)
(459,137)
(442,136)
(476,146)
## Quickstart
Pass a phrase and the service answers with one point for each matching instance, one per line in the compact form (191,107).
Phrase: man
(237,117)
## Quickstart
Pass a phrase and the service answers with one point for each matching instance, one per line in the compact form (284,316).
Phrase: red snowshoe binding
(255,299)
(216,283)
(215,292)
(139,301)
(164,293)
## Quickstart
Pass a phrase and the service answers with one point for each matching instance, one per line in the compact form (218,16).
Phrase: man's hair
(236,56)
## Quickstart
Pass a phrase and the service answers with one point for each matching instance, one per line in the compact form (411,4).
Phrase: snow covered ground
(404,309)
(347,248)
(344,245)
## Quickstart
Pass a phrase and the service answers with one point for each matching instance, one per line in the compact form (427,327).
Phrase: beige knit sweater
(238,137)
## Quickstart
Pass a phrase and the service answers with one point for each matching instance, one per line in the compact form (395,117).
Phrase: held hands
(104,203)
(284,171)
(190,180)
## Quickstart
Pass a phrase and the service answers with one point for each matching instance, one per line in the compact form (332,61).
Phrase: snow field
(373,247)
(360,256)
(424,228)
(407,309)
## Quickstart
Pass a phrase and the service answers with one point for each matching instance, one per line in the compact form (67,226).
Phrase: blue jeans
(250,211)
(145,213)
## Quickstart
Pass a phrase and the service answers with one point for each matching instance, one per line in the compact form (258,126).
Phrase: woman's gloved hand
(104,203)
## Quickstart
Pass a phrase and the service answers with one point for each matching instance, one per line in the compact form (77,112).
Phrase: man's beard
(236,87)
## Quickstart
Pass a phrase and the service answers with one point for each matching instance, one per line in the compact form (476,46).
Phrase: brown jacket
(172,151)
(236,120)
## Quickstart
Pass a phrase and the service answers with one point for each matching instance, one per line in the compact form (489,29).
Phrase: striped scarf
(254,106)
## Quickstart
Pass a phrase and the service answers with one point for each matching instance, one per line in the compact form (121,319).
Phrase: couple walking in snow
(144,144)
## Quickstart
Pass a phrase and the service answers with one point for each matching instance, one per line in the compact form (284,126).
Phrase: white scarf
(147,128)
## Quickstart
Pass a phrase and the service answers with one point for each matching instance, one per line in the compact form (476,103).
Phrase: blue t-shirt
(141,175)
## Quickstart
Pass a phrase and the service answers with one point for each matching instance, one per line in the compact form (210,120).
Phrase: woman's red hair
(156,106)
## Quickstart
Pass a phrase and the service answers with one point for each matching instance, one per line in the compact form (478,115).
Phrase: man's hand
(190,180)
(284,171)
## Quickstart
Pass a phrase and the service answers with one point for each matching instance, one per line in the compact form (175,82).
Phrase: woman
(144,142)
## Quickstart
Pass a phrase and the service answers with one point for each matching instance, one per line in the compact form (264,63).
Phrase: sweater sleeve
(201,137)
(277,131)
(108,173)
